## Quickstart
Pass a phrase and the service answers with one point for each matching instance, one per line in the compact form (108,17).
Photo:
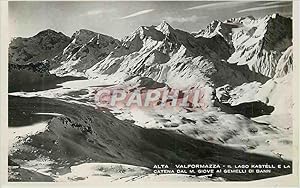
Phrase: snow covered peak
(138,33)
(259,43)
(240,20)
(165,28)
(275,15)
(215,23)
(83,36)
(85,32)
(217,27)
(157,33)
(210,30)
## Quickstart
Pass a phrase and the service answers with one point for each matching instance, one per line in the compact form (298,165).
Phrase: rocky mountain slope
(86,49)
(101,137)
(258,43)
(43,46)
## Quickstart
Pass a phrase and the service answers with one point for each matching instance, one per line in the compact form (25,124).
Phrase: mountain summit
(44,45)
(165,28)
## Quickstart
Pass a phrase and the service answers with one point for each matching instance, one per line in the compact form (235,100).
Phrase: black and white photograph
(151,91)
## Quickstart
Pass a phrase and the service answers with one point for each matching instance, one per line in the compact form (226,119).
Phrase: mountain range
(235,50)
(244,65)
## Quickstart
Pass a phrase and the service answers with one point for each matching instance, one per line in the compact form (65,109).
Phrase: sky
(119,19)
